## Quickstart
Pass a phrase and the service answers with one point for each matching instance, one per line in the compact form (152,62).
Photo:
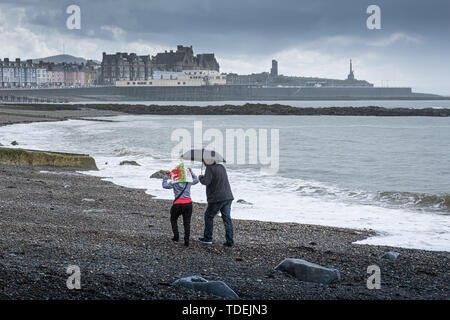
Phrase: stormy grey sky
(308,38)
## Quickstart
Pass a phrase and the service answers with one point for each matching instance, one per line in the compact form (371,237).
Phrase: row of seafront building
(169,68)
(123,68)
(26,74)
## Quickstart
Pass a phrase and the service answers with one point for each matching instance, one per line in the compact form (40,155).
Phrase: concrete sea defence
(209,93)
(47,158)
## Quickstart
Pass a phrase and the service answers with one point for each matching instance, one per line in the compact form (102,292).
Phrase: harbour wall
(211,93)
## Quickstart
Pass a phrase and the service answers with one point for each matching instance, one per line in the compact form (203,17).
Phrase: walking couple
(218,194)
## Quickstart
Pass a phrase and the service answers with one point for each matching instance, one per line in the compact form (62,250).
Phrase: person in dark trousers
(182,206)
(219,197)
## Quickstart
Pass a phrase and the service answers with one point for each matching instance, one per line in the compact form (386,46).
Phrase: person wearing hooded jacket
(219,197)
(182,206)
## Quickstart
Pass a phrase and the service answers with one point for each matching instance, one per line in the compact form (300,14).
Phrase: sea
(386,174)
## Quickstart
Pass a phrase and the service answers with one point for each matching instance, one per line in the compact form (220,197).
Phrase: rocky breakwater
(47,158)
(252,109)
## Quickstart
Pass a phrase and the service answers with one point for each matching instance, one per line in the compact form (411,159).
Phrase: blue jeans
(213,208)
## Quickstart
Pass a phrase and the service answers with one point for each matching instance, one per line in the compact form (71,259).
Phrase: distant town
(170,68)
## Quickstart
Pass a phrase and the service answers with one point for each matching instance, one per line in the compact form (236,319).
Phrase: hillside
(60,58)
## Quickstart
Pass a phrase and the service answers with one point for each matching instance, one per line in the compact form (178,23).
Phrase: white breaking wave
(273,198)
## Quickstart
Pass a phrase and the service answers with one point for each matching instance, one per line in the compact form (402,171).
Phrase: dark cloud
(413,40)
(251,24)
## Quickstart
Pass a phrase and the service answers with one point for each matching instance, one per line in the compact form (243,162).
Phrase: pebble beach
(120,238)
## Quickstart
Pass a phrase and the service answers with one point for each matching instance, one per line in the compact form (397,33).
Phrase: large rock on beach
(308,271)
(129,163)
(158,174)
(217,288)
(47,158)
(390,255)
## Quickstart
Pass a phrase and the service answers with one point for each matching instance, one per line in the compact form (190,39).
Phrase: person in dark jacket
(182,206)
(219,197)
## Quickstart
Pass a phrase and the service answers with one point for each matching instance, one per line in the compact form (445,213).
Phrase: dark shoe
(186,243)
(175,239)
(226,244)
(203,240)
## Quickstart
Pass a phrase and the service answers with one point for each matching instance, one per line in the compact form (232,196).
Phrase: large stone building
(123,66)
(131,67)
(184,59)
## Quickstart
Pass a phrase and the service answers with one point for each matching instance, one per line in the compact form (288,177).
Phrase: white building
(186,78)
(41,76)
(8,77)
